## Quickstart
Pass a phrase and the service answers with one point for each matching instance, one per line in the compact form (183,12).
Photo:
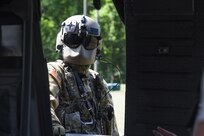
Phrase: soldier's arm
(107,98)
(114,128)
(159,131)
(108,105)
(199,122)
(199,129)
(54,86)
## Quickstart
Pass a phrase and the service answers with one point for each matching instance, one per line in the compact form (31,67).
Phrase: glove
(58,130)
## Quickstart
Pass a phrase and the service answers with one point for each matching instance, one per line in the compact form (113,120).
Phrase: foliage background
(113,33)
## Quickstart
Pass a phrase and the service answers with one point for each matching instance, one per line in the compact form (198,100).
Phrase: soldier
(80,102)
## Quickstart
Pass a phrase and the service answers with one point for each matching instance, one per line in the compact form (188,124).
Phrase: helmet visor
(74,41)
(90,42)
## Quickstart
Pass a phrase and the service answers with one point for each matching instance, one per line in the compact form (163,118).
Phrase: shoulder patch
(56,76)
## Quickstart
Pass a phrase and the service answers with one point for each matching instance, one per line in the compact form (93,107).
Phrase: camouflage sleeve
(113,129)
(108,107)
(55,80)
(107,100)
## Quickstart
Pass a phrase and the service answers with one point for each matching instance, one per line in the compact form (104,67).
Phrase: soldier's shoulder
(57,65)
(96,75)
(56,71)
(99,79)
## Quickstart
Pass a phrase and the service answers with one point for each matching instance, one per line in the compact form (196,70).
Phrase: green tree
(53,13)
(113,32)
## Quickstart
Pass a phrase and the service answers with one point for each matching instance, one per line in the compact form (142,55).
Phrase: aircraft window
(10,40)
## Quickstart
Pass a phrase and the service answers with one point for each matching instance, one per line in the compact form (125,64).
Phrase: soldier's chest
(78,89)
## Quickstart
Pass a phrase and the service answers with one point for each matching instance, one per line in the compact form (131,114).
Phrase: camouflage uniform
(80,102)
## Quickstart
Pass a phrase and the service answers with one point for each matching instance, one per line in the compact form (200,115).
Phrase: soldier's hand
(58,130)
(162,132)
